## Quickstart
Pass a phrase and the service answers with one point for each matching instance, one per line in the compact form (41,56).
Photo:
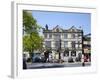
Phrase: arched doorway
(66,53)
(73,53)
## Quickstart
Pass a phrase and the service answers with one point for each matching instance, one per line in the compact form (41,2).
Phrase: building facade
(87,47)
(68,42)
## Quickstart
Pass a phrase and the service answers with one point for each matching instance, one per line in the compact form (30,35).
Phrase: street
(55,65)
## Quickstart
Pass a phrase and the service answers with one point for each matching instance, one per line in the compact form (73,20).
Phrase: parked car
(85,60)
(42,58)
(37,57)
(78,59)
(70,60)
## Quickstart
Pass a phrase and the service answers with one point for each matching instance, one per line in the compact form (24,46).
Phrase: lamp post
(83,63)
(59,50)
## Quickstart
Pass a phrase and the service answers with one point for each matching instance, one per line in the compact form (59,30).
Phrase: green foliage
(32,40)
(27,43)
(30,23)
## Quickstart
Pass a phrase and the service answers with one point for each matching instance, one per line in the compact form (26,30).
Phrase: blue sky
(63,19)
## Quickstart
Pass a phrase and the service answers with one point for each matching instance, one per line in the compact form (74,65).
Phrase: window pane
(57,36)
(57,44)
(50,35)
(73,53)
(66,53)
(48,44)
(45,35)
(65,44)
(73,35)
(73,44)
(65,36)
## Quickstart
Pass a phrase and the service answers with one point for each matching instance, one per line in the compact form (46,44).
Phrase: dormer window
(45,35)
(50,35)
(73,35)
(65,36)
(57,30)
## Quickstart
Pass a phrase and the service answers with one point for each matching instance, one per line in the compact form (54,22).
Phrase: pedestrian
(24,62)
(50,57)
(46,55)
(83,63)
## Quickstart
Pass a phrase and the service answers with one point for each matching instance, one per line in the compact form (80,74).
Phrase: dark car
(37,57)
(78,59)
(70,60)
(85,60)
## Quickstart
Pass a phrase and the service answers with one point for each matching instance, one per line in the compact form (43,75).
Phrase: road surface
(55,65)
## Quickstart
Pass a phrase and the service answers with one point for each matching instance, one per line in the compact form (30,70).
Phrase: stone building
(67,41)
(87,46)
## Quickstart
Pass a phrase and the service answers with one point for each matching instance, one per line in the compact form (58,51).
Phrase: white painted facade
(61,39)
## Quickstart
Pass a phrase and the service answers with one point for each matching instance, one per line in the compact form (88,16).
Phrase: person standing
(83,63)
(24,62)
(46,55)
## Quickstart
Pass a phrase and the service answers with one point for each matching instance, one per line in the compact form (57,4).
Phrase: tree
(32,40)
(32,43)
(30,23)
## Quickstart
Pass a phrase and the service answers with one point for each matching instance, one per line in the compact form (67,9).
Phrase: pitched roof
(59,29)
(74,29)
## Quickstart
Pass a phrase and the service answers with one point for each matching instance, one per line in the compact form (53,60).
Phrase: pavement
(55,65)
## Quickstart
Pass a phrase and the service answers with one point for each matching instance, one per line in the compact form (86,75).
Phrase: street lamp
(59,50)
